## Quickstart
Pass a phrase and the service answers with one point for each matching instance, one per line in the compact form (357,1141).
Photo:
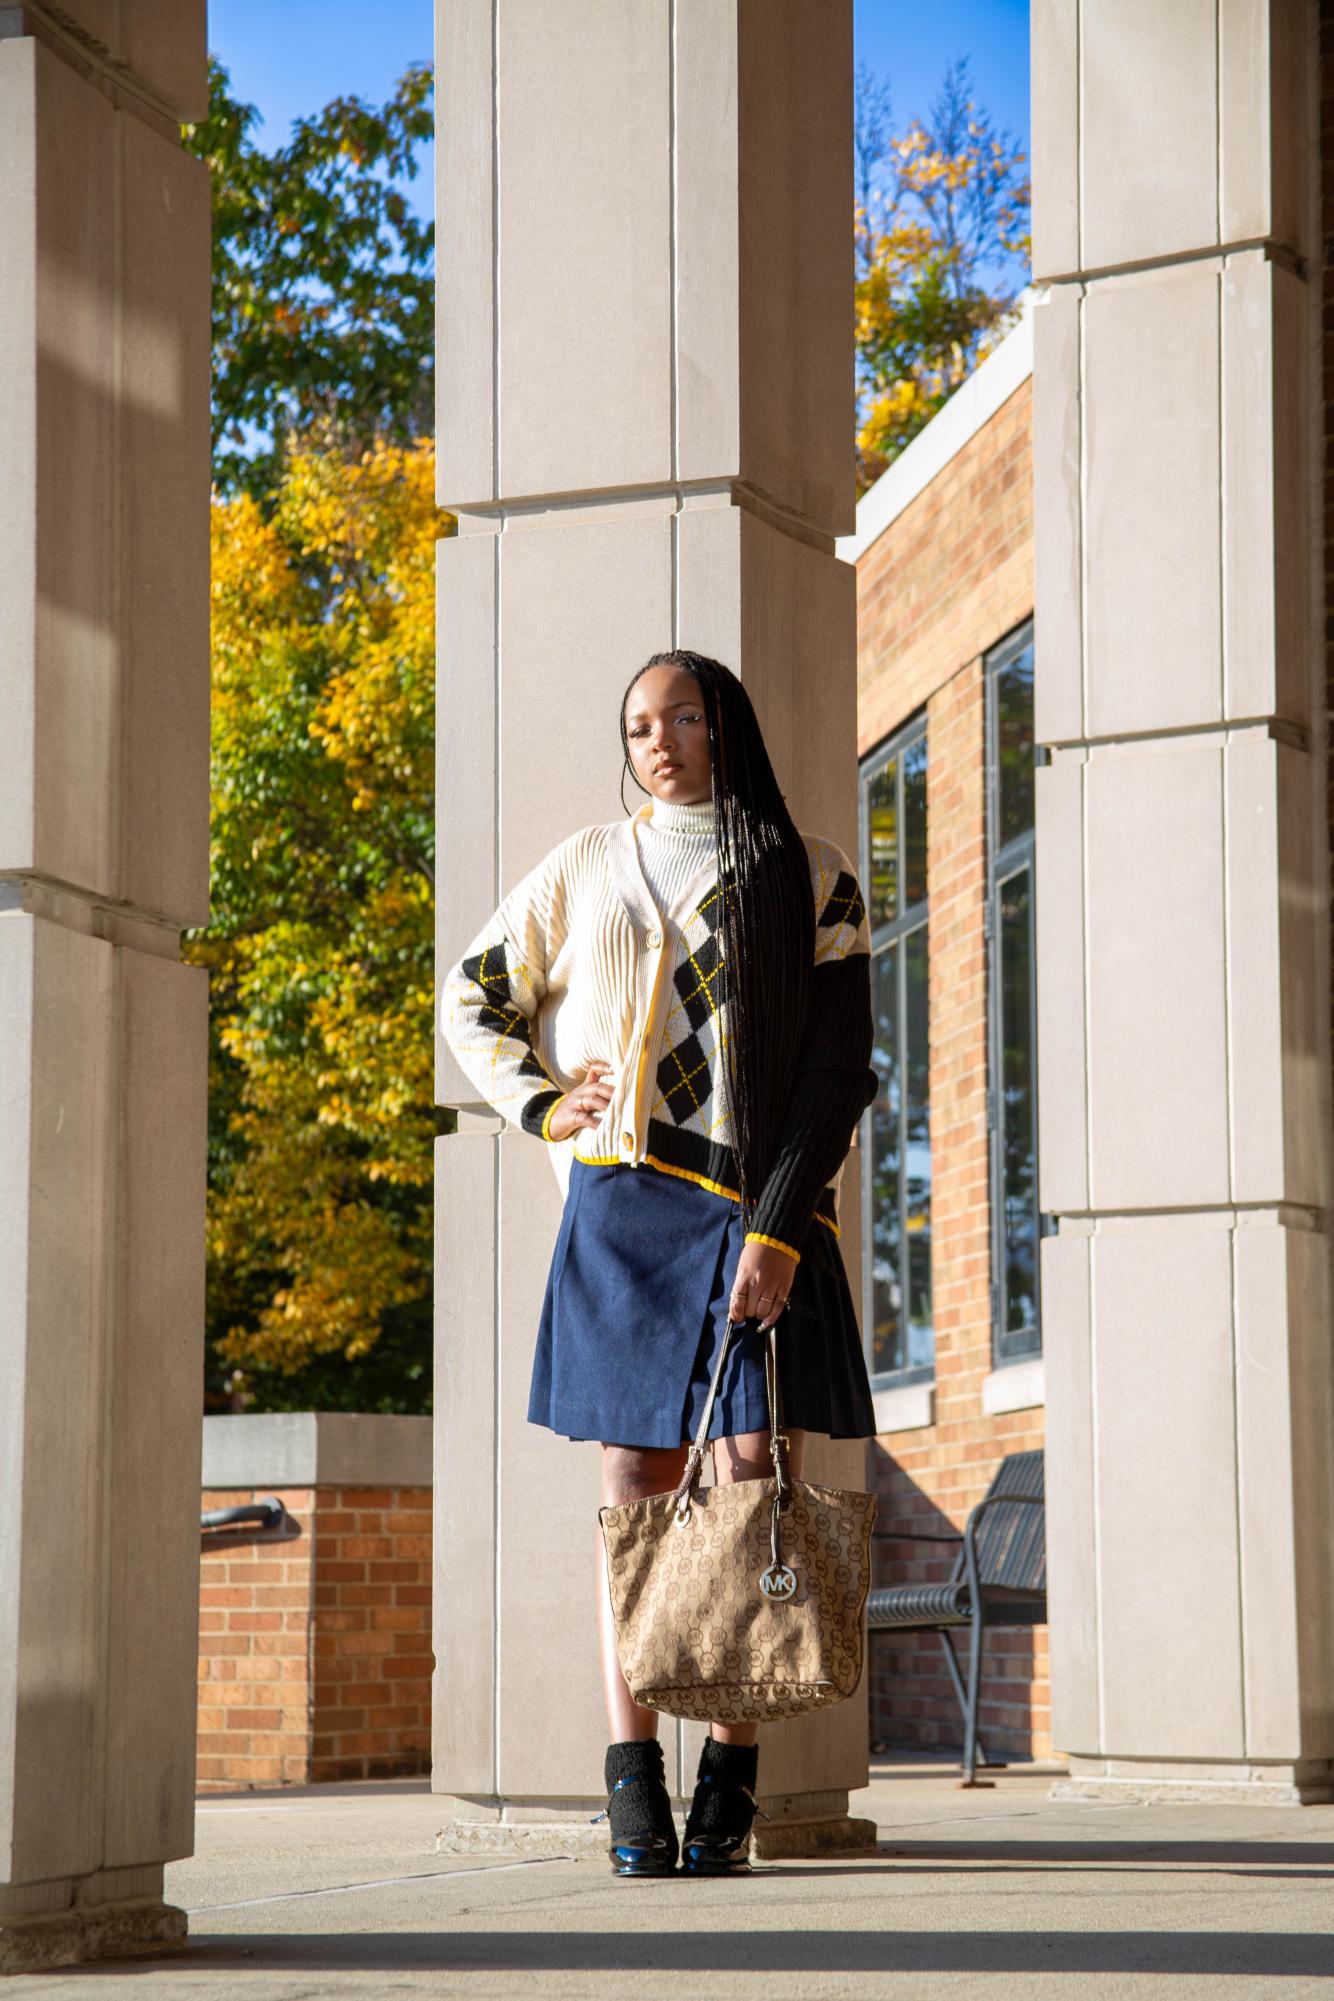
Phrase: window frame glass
(1016,856)
(909,921)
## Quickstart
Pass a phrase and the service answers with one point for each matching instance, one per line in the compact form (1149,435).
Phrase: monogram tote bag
(740,1603)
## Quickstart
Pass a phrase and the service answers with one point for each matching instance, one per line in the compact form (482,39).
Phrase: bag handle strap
(778,1446)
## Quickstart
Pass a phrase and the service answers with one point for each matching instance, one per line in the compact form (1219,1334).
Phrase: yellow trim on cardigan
(758,1237)
(715,1188)
(553,1106)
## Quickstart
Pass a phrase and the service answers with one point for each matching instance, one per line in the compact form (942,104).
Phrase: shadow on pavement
(1310,1858)
(1308,1954)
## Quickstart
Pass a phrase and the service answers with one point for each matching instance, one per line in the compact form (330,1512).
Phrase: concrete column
(645,432)
(104,334)
(1183,952)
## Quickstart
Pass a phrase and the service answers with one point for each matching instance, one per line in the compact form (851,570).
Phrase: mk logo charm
(778,1582)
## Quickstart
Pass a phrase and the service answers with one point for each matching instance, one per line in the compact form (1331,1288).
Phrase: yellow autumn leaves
(938,242)
(319,946)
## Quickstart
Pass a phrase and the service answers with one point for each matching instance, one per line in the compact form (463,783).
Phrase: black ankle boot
(639,1810)
(717,1837)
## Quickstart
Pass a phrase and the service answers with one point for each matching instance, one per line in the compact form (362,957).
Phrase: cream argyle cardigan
(576,963)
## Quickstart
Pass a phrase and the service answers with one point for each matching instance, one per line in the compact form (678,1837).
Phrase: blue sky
(289,57)
(912,43)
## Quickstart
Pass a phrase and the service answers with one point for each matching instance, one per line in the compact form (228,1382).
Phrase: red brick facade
(949,577)
(315,1654)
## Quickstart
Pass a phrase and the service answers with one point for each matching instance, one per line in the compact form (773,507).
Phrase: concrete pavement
(341,1892)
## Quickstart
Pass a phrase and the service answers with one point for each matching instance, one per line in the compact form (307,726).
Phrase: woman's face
(668,736)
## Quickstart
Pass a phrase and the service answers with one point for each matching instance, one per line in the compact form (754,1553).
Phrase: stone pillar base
(524,1829)
(799,1824)
(1309,1783)
(809,1824)
(106,1931)
(840,1834)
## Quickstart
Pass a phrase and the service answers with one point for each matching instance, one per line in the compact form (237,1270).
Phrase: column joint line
(1079,131)
(1224,836)
(1238,1511)
(497,1324)
(94,62)
(1218,121)
(724,488)
(1296,736)
(18,885)
(111,1206)
(497,1302)
(1272,248)
(1279,1206)
(673,220)
(495,251)
(674,412)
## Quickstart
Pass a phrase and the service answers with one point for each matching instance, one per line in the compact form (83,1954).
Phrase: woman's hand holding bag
(764,1275)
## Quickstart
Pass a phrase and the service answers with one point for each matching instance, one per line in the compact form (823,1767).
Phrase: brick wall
(948,578)
(315,1654)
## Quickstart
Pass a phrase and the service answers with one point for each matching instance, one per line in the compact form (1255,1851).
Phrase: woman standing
(679,1004)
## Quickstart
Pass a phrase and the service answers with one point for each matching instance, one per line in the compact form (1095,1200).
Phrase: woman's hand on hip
(763,1281)
(585,1104)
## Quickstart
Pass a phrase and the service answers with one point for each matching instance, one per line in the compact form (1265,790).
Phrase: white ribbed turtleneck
(675,840)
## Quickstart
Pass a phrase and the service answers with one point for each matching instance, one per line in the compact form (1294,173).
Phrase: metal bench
(999,1579)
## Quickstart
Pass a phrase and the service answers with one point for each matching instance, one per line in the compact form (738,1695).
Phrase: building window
(896,1127)
(1016,1224)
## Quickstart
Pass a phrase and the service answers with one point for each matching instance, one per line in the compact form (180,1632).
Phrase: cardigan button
(654,938)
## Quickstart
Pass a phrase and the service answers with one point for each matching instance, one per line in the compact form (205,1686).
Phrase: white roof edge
(958,420)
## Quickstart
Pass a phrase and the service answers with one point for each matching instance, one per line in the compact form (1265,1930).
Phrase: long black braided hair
(767,930)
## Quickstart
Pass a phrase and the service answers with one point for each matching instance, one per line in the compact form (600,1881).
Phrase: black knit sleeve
(835,1081)
(833,1086)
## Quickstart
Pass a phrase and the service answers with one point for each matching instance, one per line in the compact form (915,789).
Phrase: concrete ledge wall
(315,1654)
(317,1448)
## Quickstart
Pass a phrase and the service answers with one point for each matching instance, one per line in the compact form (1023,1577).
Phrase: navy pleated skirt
(636,1307)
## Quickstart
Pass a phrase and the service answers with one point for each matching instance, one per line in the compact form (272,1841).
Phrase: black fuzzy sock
(640,1756)
(645,1806)
(717,1807)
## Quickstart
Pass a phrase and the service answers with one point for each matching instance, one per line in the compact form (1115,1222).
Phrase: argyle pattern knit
(579,962)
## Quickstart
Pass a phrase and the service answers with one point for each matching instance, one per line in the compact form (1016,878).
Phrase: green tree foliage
(320,947)
(942,252)
(322,277)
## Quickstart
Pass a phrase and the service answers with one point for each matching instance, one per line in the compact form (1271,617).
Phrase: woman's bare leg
(746,1457)
(629,1473)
